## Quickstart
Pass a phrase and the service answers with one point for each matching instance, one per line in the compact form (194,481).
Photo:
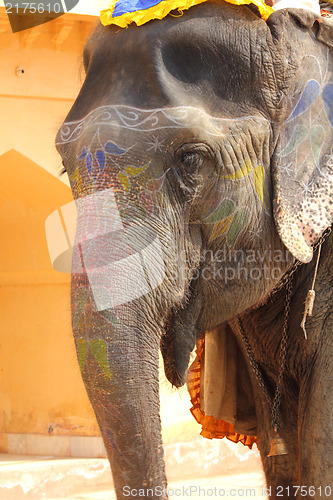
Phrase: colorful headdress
(124,12)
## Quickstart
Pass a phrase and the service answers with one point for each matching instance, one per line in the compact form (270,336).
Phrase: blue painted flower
(309,95)
(98,159)
(328,101)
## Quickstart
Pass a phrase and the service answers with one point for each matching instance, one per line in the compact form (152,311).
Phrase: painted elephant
(199,152)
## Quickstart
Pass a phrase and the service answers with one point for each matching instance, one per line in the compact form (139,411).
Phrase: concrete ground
(35,478)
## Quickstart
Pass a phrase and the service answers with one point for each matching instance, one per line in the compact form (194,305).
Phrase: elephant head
(199,156)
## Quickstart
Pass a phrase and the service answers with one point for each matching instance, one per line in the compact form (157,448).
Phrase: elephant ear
(302,164)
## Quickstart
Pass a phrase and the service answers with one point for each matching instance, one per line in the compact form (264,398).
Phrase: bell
(278,446)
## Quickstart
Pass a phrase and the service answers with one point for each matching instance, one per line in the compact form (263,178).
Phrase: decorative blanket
(124,12)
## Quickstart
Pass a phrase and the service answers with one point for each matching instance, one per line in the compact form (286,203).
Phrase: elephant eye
(189,159)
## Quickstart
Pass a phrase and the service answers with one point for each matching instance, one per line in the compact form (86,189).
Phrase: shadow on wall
(36,389)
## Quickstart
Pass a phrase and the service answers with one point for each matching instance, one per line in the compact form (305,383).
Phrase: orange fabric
(211,427)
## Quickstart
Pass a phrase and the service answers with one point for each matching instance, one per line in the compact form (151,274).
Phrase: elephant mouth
(180,335)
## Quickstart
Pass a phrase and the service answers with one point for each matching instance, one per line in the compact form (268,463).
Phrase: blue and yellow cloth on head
(124,12)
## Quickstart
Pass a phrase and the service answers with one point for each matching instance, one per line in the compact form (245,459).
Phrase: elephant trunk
(124,280)
(118,352)
(133,435)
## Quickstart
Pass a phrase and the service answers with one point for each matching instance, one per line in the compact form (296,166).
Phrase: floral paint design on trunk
(127,177)
(98,349)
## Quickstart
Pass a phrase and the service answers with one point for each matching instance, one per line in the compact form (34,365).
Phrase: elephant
(199,153)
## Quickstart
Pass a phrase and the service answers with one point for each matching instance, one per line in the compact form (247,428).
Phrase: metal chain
(254,363)
(288,283)
(275,403)
(283,357)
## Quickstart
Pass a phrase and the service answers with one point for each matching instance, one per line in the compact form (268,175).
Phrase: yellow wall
(34,104)
(40,383)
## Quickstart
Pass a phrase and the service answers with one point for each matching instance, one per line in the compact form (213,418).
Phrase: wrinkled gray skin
(222,157)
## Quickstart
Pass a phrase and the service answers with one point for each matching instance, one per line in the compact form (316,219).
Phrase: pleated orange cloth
(211,427)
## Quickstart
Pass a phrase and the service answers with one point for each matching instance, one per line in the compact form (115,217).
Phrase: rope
(310,298)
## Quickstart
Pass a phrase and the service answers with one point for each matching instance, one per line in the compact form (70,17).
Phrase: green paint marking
(99,350)
(224,210)
(299,136)
(317,137)
(236,227)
